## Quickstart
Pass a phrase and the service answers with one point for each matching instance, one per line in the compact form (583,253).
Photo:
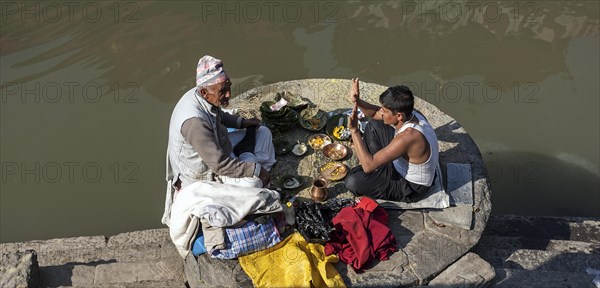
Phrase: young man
(398,153)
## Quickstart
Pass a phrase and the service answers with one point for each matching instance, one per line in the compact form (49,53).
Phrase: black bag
(313,220)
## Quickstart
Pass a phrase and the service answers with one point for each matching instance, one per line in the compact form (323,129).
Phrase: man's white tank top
(424,173)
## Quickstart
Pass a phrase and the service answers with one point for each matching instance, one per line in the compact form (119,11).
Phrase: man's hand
(353,124)
(250,122)
(354,91)
(264,176)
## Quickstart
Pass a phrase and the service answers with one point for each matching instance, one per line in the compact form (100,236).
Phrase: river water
(88,89)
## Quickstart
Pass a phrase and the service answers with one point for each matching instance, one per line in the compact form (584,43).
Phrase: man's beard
(224,102)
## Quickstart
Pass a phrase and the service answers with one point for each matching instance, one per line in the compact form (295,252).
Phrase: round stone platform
(427,240)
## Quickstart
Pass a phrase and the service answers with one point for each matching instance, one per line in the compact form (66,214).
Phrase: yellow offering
(337,131)
(292,263)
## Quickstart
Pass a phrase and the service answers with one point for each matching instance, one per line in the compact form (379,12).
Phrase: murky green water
(88,88)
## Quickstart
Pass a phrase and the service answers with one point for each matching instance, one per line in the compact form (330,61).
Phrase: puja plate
(333,171)
(335,151)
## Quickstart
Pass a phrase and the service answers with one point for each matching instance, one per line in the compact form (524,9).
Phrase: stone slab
(150,270)
(530,259)
(460,184)
(466,237)
(459,216)
(222,273)
(132,253)
(405,223)
(429,253)
(19,269)
(192,271)
(391,273)
(44,247)
(509,278)
(143,238)
(468,271)
(68,275)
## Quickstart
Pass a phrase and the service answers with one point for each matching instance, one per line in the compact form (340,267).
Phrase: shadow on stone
(545,185)
(220,273)
(62,275)
(460,152)
(520,249)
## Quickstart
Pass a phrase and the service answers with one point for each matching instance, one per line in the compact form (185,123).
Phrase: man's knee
(263,131)
(352,183)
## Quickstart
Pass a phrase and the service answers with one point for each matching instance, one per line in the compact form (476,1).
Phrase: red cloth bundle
(361,234)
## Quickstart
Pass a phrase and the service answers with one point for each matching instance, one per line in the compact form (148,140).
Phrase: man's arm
(396,148)
(201,136)
(369,109)
(369,162)
(233,121)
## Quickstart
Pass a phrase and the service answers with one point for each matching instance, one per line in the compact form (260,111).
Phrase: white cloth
(218,205)
(421,174)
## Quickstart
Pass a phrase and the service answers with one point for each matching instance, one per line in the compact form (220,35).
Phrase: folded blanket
(248,238)
(216,205)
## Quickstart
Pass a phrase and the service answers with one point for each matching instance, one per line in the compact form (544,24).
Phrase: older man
(200,147)
(214,178)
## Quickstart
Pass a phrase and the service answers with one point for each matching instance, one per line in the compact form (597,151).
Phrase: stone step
(106,273)
(539,254)
(509,278)
(564,228)
(514,243)
(468,271)
(141,284)
(125,247)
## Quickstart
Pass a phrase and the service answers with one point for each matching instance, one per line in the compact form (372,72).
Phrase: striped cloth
(249,238)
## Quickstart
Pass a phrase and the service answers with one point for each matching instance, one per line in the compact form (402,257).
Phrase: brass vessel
(318,191)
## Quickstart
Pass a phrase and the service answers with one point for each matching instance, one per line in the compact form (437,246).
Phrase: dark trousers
(385,182)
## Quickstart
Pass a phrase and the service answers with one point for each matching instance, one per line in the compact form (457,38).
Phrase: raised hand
(354,91)
(353,123)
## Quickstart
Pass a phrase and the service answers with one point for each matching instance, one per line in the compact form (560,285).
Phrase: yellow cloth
(292,263)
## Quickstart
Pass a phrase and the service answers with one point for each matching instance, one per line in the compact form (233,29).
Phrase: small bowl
(291,182)
(299,149)
(335,151)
